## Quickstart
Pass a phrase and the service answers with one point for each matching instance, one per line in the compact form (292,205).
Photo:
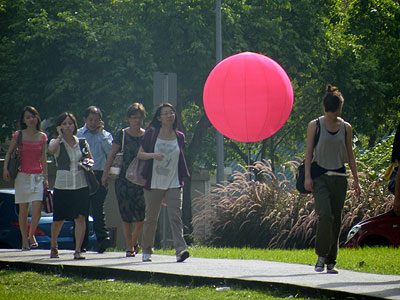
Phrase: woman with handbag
(333,150)
(165,169)
(32,176)
(71,193)
(130,196)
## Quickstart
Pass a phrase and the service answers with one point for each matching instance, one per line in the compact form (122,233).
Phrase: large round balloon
(248,97)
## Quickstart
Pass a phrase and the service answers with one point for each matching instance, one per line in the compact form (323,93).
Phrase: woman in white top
(162,149)
(71,193)
(333,149)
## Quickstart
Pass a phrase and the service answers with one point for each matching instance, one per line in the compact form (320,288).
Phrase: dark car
(381,230)
(10,236)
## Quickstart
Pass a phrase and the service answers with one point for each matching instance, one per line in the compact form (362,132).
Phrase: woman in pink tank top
(32,176)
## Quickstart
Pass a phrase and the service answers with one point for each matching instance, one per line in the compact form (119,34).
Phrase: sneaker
(320,265)
(146,257)
(330,268)
(181,256)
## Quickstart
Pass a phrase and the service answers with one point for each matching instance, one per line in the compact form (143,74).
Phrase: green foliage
(271,214)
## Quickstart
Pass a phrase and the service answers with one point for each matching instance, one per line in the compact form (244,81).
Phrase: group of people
(328,149)
(160,147)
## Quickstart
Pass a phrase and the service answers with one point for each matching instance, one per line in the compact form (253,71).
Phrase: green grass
(379,260)
(16,285)
(32,285)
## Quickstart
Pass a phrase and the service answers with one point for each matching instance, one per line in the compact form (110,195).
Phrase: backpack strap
(317,133)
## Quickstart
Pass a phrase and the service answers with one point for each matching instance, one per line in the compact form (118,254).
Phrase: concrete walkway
(223,272)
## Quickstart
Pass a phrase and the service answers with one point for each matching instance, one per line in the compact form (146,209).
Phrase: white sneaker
(146,257)
(181,256)
(320,265)
(330,268)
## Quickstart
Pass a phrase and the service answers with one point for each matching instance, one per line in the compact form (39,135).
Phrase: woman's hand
(158,156)
(6,175)
(357,189)
(308,184)
(104,179)
(59,131)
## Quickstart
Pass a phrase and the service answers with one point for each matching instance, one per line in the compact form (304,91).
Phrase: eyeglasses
(171,113)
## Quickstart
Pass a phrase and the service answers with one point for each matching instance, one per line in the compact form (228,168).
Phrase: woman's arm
(110,158)
(352,161)
(308,182)
(44,165)
(146,156)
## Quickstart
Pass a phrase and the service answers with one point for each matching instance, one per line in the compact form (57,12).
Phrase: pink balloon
(248,97)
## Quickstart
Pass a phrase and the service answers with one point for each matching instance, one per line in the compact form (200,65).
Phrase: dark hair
(333,99)
(93,110)
(61,119)
(34,112)
(155,122)
(134,109)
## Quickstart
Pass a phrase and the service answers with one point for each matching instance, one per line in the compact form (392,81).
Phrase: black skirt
(70,204)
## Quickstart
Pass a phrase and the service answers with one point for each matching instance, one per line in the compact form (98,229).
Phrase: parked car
(381,230)
(10,235)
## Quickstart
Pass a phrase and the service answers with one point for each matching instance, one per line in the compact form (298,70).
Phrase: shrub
(271,213)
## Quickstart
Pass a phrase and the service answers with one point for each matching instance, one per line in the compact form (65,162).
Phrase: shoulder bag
(91,179)
(116,166)
(48,205)
(301,169)
(135,170)
(14,162)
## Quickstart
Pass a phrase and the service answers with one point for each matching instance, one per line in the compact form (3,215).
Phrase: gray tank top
(330,152)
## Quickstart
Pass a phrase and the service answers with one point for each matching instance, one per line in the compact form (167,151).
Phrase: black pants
(97,212)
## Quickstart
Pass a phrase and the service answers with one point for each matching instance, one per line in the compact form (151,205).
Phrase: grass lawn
(15,284)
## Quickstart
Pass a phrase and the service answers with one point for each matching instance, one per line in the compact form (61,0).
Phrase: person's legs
(79,231)
(135,235)
(338,192)
(55,231)
(23,224)
(153,200)
(127,228)
(173,199)
(325,219)
(36,213)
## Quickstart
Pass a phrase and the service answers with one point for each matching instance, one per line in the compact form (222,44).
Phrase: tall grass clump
(271,213)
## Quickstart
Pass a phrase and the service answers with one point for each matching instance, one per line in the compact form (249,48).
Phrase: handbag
(86,166)
(116,166)
(14,162)
(392,180)
(48,205)
(301,169)
(134,172)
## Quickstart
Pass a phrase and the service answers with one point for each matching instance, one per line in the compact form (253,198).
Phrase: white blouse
(74,178)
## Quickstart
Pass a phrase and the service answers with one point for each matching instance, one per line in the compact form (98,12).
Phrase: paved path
(218,271)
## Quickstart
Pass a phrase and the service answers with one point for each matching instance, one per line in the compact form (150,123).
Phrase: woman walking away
(162,148)
(71,193)
(333,150)
(130,196)
(32,177)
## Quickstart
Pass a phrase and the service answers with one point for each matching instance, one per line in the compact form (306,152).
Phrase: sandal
(34,245)
(54,252)
(78,255)
(136,248)
(130,254)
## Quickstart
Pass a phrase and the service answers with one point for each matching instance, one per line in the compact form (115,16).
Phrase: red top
(31,155)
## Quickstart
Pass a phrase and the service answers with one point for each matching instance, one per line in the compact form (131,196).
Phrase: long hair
(34,112)
(155,122)
(61,119)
